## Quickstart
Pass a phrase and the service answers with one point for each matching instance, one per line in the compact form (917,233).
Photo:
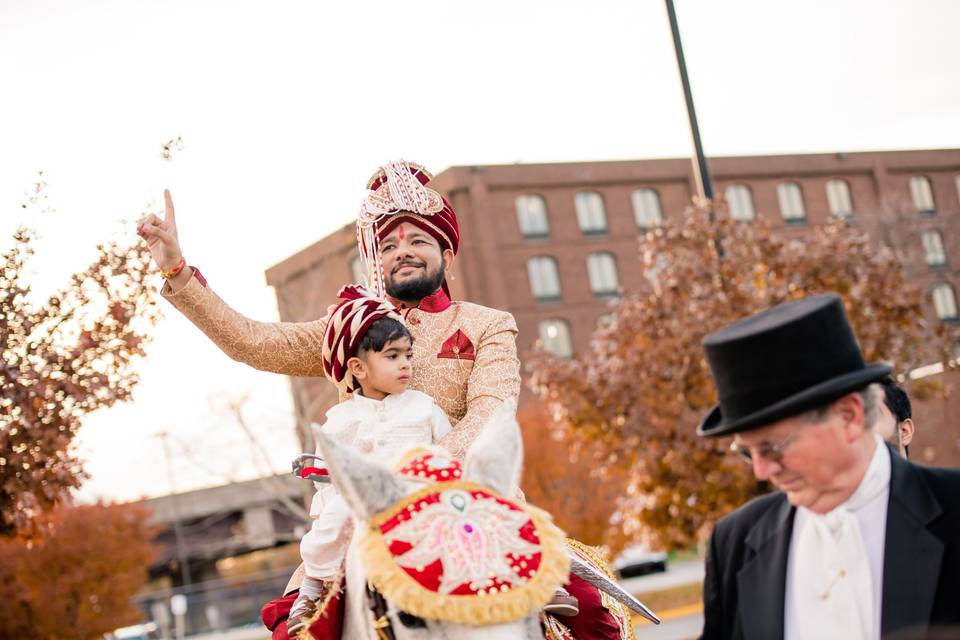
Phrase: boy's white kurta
(384,429)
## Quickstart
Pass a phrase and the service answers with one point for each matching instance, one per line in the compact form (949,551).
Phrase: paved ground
(244,633)
(681,628)
(680,623)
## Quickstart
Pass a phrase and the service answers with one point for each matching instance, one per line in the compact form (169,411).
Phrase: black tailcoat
(743,591)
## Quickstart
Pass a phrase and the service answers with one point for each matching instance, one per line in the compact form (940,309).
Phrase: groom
(464,354)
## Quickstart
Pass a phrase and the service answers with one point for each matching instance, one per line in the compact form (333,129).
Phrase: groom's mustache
(407,264)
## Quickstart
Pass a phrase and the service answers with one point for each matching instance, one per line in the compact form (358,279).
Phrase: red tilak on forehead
(400,231)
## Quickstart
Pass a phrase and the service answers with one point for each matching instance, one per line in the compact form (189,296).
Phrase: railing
(215,605)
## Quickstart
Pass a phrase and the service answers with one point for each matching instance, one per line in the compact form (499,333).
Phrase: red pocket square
(458,346)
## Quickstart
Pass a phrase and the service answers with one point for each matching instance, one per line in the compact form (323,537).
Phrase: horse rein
(381,621)
(378,607)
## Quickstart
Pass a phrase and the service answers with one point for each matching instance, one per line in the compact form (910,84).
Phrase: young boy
(367,351)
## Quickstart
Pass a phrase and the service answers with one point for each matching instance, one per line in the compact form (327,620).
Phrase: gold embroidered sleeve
(494,379)
(291,348)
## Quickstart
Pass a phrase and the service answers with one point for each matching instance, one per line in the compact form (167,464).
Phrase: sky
(285,109)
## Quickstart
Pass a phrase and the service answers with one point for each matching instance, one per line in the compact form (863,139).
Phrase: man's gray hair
(869,395)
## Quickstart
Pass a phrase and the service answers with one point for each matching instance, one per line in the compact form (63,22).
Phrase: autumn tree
(559,475)
(63,357)
(77,580)
(640,387)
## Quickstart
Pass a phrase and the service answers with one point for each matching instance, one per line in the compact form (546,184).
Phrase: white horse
(468,529)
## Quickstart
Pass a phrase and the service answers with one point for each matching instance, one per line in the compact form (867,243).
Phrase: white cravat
(835,568)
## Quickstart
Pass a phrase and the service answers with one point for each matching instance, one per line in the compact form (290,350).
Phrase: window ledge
(607,295)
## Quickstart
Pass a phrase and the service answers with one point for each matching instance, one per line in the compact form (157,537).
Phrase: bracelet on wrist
(172,273)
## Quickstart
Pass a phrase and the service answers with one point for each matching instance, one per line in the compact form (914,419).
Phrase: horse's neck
(355,619)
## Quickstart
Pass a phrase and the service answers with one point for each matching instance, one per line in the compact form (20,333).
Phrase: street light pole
(182,559)
(701,172)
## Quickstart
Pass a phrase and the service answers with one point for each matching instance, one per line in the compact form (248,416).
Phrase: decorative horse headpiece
(457,548)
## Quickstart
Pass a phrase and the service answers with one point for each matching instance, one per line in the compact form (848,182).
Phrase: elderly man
(858,543)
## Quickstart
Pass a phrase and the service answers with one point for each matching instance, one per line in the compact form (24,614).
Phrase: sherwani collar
(761,581)
(434,303)
(912,555)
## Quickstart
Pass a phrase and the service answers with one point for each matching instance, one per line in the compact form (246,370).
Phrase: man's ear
(851,410)
(357,367)
(447,256)
(906,431)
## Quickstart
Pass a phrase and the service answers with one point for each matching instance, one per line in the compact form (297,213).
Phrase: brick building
(553,243)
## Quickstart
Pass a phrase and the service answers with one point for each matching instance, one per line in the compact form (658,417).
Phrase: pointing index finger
(168,205)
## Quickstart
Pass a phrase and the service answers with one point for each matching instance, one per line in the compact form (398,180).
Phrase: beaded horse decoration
(444,542)
(459,551)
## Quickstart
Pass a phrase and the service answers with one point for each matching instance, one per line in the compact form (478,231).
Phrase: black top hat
(784,361)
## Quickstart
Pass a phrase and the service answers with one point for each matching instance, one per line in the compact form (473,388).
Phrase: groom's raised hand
(161,235)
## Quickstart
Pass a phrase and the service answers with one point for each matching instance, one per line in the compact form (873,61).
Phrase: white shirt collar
(875,480)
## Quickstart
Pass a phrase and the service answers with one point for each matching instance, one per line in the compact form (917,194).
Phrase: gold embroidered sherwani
(464,354)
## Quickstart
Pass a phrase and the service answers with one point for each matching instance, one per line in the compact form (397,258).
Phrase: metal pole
(182,558)
(701,172)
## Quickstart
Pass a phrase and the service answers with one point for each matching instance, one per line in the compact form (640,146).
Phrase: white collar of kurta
(393,400)
(834,587)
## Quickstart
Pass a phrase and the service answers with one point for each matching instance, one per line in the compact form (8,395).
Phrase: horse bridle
(381,621)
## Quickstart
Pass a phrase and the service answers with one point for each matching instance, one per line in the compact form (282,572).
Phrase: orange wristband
(176,270)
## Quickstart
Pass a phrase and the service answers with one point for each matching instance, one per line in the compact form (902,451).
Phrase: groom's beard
(416,288)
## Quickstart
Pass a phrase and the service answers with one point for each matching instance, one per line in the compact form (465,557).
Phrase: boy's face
(388,371)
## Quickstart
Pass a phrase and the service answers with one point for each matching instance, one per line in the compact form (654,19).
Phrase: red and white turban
(348,323)
(398,193)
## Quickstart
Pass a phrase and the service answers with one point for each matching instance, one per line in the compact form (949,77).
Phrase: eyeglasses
(771,452)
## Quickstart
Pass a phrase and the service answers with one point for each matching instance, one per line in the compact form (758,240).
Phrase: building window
(646,208)
(602,269)
(933,248)
(358,271)
(839,199)
(945,302)
(791,202)
(921,192)
(544,278)
(740,202)
(590,212)
(532,216)
(555,337)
